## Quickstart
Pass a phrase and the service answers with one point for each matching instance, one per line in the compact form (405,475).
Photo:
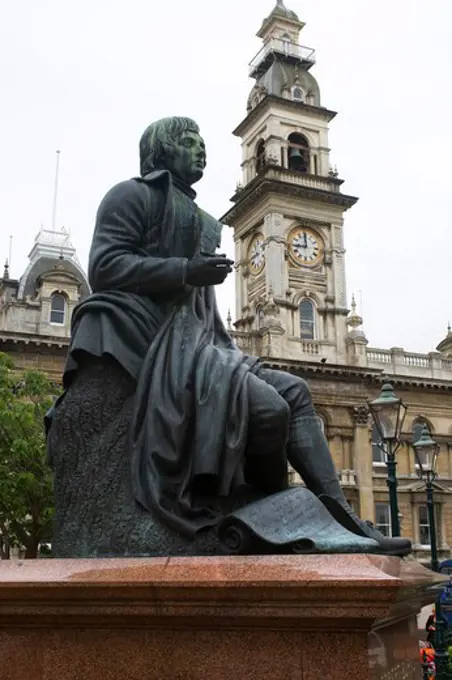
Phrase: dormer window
(298,94)
(57,309)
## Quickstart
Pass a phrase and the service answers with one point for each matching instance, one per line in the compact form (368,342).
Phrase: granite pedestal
(312,617)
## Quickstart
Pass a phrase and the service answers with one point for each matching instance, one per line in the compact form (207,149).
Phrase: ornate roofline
(320,111)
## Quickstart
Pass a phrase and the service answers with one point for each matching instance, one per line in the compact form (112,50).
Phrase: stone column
(362,462)
(275,262)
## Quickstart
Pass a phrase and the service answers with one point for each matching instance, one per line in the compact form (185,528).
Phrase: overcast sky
(87,77)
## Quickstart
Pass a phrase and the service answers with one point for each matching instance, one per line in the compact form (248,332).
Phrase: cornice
(314,368)
(32,340)
(261,185)
(367,375)
(269,99)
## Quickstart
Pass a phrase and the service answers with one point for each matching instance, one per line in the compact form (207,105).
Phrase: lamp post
(426,451)
(388,413)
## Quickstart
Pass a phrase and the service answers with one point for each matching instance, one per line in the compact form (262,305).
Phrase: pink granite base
(278,618)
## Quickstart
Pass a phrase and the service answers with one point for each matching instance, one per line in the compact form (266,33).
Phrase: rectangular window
(57,316)
(378,455)
(383,518)
(424,527)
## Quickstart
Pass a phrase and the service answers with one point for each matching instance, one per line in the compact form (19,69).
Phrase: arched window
(418,427)
(260,317)
(57,309)
(307,320)
(297,94)
(286,42)
(298,153)
(260,156)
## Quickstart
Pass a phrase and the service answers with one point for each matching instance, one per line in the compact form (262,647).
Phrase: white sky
(88,76)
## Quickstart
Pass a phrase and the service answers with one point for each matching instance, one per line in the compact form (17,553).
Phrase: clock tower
(287,212)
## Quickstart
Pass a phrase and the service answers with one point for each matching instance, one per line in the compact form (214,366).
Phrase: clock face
(256,254)
(305,246)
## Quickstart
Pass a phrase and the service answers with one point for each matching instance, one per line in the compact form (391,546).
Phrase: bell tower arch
(287,212)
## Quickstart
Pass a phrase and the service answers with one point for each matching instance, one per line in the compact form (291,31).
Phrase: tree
(26,494)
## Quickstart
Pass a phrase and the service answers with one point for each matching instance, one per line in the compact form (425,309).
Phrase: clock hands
(305,247)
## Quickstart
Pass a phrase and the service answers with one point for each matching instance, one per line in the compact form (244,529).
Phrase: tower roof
(445,346)
(280,11)
(52,243)
(52,249)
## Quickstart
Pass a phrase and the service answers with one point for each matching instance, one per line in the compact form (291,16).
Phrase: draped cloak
(189,428)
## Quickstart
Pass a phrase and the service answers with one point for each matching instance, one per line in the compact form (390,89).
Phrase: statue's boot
(309,455)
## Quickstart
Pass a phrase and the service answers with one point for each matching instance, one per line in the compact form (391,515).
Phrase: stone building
(291,300)
(36,309)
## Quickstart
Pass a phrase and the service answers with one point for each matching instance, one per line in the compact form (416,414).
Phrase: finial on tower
(354,320)
(449,329)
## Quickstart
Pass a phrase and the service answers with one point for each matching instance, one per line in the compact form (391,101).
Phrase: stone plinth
(278,618)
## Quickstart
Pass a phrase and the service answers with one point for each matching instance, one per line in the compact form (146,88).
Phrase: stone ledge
(296,590)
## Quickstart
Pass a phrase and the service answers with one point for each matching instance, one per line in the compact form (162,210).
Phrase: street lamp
(426,451)
(388,413)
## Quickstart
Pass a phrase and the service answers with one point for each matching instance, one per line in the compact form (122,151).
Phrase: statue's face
(187,157)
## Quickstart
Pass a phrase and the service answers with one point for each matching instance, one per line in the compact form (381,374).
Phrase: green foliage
(26,495)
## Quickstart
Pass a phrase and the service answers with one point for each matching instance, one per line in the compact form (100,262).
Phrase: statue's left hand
(208,271)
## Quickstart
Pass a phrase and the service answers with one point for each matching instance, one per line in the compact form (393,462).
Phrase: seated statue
(165,427)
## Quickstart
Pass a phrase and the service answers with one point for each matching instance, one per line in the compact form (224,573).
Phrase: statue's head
(173,144)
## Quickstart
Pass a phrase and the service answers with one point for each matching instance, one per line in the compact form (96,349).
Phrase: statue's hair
(157,137)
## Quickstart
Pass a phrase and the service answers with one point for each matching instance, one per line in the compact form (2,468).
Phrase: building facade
(36,309)
(291,300)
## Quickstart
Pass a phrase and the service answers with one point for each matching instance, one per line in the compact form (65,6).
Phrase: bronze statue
(166,432)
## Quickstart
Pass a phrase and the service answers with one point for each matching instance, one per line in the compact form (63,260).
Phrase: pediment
(418,486)
(59,276)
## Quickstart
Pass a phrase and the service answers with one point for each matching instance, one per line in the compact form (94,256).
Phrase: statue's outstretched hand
(208,271)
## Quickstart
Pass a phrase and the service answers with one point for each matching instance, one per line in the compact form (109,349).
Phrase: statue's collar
(177,181)
(183,186)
